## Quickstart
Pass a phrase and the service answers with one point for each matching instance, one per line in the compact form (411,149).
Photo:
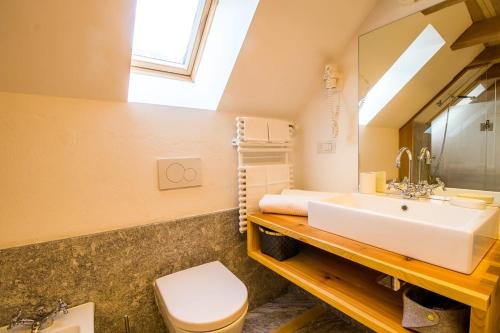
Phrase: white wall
(76,166)
(339,172)
(72,167)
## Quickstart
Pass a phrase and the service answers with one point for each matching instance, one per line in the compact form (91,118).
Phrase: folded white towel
(286,204)
(283,204)
(255,129)
(279,131)
(312,194)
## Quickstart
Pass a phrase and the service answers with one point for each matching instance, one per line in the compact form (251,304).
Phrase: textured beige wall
(71,167)
(77,166)
(378,147)
(339,172)
(74,166)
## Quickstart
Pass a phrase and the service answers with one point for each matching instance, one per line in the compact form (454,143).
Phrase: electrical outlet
(179,173)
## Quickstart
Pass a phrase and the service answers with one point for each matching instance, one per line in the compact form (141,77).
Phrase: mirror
(428,82)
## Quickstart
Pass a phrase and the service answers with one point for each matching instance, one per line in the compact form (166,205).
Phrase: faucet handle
(15,319)
(62,306)
(440,183)
(41,311)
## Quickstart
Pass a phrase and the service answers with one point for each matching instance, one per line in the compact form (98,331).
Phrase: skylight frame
(427,45)
(195,50)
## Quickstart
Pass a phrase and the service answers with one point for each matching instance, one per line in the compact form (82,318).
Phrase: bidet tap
(43,318)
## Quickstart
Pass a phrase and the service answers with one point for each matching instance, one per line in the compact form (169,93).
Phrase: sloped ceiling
(380,49)
(81,49)
(71,48)
(284,54)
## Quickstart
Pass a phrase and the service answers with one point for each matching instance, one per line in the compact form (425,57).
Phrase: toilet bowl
(205,298)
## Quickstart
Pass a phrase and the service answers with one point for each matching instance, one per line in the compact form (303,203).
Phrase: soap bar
(468,203)
(486,198)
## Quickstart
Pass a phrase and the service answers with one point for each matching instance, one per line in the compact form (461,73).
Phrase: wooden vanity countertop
(476,289)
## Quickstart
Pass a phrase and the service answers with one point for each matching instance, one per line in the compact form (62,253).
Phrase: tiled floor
(274,315)
(331,323)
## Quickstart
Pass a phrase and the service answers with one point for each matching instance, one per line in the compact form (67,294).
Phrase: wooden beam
(490,55)
(440,6)
(496,6)
(484,31)
(475,12)
(491,73)
(487,8)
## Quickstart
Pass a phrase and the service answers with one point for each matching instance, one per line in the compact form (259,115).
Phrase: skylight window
(169,34)
(478,90)
(420,51)
(229,24)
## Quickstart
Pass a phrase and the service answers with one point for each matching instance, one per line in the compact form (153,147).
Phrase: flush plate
(179,173)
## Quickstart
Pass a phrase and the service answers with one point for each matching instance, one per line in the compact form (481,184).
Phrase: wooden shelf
(349,287)
(474,290)
(342,275)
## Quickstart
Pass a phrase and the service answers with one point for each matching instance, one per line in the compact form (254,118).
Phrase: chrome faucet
(43,318)
(411,190)
(410,159)
(425,156)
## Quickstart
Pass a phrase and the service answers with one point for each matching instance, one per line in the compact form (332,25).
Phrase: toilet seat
(203,298)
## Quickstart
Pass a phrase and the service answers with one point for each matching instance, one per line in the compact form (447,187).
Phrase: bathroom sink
(80,319)
(435,232)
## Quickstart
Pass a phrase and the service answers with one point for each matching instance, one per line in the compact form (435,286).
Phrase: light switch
(179,172)
(327,147)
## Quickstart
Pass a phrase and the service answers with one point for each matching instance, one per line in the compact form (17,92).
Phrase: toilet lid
(203,298)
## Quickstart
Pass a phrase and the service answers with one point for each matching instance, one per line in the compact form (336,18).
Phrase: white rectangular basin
(435,232)
(80,319)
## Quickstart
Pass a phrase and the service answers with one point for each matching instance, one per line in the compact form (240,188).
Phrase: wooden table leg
(487,321)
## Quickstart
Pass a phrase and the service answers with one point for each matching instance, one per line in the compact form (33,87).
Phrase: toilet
(205,298)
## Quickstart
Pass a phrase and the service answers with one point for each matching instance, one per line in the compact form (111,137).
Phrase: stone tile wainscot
(116,269)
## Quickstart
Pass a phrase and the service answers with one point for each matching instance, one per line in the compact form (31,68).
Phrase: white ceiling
(286,49)
(81,49)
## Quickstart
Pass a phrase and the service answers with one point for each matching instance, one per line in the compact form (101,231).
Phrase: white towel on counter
(287,204)
(284,204)
(311,194)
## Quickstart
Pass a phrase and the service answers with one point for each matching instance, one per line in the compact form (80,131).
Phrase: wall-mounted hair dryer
(332,77)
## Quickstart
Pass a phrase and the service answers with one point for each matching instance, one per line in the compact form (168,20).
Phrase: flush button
(189,175)
(179,173)
(175,172)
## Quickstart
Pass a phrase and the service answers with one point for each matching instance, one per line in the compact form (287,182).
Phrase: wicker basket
(278,245)
(427,312)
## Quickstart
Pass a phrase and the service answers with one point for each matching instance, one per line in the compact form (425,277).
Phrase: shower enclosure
(464,146)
